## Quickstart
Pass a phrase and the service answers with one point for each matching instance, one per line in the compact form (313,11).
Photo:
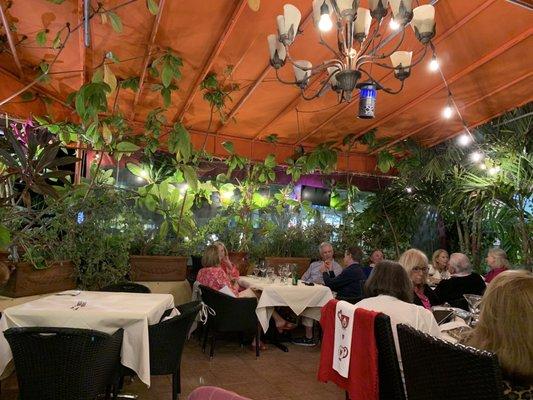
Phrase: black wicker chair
(64,363)
(435,369)
(390,377)
(231,315)
(129,287)
(167,339)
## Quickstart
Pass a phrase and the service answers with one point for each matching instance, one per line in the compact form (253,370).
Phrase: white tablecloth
(303,300)
(106,312)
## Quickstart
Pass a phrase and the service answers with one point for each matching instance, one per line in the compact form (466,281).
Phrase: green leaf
(190,176)
(110,78)
(152,6)
(5,236)
(40,38)
(44,66)
(130,83)
(228,146)
(127,147)
(56,43)
(27,96)
(111,56)
(166,94)
(167,74)
(270,161)
(115,20)
(135,169)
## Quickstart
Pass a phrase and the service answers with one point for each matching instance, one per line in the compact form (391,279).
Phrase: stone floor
(274,376)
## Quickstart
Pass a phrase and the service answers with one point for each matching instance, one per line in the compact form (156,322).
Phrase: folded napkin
(342,344)
(362,382)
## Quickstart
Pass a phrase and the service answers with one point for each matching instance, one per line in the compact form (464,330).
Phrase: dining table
(302,299)
(102,311)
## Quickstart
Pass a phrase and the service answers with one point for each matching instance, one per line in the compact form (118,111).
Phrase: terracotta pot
(240,259)
(302,262)
(25,280)
(158,268)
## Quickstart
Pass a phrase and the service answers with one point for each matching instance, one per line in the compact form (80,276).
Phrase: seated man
(349,283)
(462,281)
(313,273)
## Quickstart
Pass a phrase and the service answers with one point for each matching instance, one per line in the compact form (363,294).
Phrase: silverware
(78,305)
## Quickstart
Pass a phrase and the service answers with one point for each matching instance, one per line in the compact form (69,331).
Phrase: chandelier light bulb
(434,64)
(447,112)
(325,24)
(394,25)
(352,53)
(476,156)
(464,139)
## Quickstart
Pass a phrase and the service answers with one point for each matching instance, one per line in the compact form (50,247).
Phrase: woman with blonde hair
(497,262)
(505,328)
(438,269)
(415,263)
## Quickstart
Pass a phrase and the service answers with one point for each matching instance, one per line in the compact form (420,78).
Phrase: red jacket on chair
(363,380)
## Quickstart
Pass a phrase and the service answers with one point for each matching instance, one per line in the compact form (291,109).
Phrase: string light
(434,63)
(409,189)
(482,166)
(447,112)
(494,170)
(394,25)
(476,156)
(464,139)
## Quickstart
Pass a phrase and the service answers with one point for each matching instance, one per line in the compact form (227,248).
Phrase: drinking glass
(474,302)
(271,274)
(262,268)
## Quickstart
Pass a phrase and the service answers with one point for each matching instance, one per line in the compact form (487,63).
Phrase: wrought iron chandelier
(359,41)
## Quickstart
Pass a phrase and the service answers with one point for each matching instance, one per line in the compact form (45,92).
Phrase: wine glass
(271,274)
(474,302)
(262,268)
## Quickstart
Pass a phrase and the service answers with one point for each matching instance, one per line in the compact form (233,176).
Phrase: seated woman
(415,263)
(214,276)
(504,328)
(390,291)
(438,270)
(497,262)
(227,266)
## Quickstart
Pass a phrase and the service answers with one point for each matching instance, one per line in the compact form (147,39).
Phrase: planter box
(158,268)
(25,280)
(302,262)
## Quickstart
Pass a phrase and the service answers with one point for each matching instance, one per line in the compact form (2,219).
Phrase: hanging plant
(216,93)
(167,67)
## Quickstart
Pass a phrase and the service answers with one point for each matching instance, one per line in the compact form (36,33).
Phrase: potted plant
(29,176)
(166,200)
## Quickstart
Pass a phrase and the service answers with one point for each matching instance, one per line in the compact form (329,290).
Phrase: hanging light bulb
(324,24)
(476,156)
(394,25)
(464,139)
(434,63)
(409,189)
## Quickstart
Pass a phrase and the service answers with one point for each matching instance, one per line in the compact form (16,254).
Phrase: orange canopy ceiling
(484,46)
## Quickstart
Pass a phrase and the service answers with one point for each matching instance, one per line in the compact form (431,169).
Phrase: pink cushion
(214,393)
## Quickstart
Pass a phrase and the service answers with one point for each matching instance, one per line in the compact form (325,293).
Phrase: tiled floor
(274,376)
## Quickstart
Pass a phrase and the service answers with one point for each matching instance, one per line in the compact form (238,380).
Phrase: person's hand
(324,267)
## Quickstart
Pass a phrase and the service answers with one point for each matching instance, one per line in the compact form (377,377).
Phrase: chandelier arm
(382,56)
(326,82)
(391,67)
(381,87)
(284,81)
(319,67)
(324,43)
(341,43)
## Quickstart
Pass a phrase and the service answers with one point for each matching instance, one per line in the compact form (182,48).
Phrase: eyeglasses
(420,269)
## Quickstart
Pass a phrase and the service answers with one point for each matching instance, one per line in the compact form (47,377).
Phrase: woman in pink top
(497,262)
